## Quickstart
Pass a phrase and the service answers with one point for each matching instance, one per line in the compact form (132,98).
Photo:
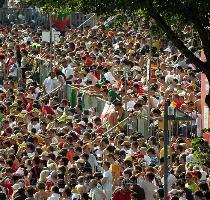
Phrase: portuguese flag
(61,21)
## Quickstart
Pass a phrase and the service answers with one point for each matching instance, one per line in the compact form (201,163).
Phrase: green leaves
(201,152)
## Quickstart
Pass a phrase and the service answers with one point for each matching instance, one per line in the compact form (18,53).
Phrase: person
(148,186)
(116,115)
(123,192)
(180,185)
(30,191)
(50,83)
(95,192)
(135,188)
(20,194)
(107,180)
(67,70)
(41,193)
(55,194)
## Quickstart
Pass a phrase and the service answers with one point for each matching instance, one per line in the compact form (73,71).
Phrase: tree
(167,14)
(2,3)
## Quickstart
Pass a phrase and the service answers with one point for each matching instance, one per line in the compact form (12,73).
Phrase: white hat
(117,56)
(24,111)
(81,123)
(137,68)
(167,49)
(173,191)
(114,86)
(44,154)
(182,94)
(17,186)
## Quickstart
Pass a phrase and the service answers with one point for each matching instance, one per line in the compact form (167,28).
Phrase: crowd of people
(51,149)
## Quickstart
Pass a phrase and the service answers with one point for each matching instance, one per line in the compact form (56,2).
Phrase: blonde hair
(52,166)
(43,175)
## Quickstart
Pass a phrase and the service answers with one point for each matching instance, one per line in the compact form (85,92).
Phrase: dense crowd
(51,149)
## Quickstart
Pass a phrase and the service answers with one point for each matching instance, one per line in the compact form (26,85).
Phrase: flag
(61,21)
(80,100)
(107,109)
(73,97)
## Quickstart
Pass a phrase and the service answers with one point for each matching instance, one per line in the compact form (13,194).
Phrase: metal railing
(93,101)
(35,18)
(90,21)
(23,16)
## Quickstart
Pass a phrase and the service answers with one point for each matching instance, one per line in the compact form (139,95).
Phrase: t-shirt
(92,161)
(68,71)
(149,189)
(115,169)
(108,185)
(50,84)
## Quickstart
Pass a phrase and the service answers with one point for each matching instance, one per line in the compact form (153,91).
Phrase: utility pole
(166,149)
(51,45)
(148,81)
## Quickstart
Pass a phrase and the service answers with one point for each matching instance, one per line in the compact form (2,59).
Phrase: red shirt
(140,91)
(48,110)
(119,194)
(29,107)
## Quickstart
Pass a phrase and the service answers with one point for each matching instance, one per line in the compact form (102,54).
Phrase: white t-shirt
(108,185)
(68,71)
(50,84)
(149,188)
(13,70)
(109,77)
(92,161)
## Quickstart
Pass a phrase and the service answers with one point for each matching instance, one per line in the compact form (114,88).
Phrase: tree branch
(173,37)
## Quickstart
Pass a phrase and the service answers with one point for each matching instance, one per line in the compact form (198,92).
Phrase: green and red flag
(60,20)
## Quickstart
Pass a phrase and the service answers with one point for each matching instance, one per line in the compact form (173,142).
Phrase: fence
(34,17)
(135,124)
(93,101)
(40,69)
(23,16)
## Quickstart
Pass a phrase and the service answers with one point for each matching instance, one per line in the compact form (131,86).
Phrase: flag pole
(51,48)
(148,80)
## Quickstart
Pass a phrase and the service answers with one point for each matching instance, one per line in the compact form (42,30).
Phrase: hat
(24,111)
(15,104)
(81,123)
(30,96)
(35,110)
(20,115)
(167,49)
(17,186)
(126,181)
(44,154)
(137,68)
(174,191)
(182,94)
(126,143)
(81,161)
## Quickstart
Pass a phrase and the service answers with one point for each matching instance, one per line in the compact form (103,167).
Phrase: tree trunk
(173,37)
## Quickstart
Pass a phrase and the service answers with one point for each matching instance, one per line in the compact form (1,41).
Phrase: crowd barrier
(22,16)
(35,18)
(135,124)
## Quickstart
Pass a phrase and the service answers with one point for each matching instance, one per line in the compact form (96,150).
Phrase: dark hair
(150,176)
(67,191)
(203,186)
(199,194)
(36,160)
(40,185)
(107,164)
(151,150)
(30,191)
(55,189)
